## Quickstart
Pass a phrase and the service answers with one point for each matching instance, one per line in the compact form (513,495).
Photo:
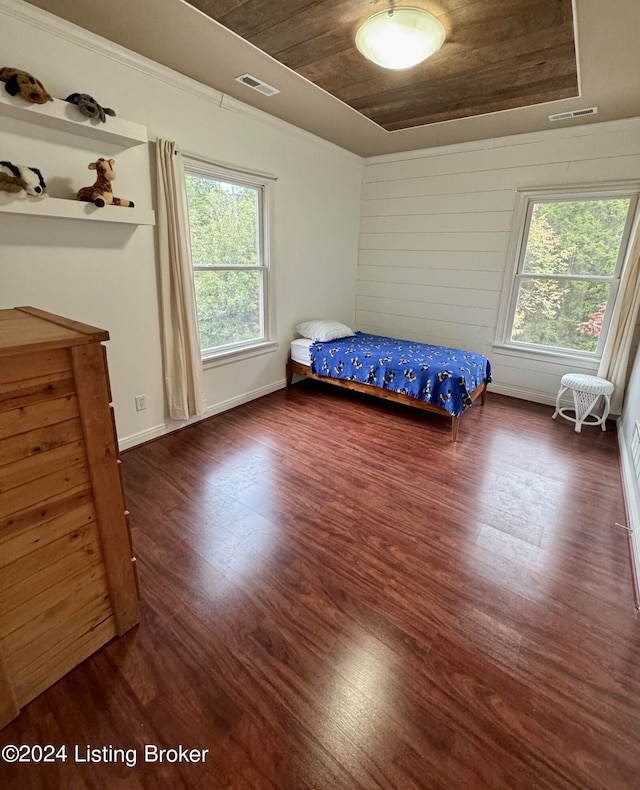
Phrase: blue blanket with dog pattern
(444,377)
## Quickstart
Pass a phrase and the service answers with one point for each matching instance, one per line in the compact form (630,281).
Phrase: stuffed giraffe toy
(100,193)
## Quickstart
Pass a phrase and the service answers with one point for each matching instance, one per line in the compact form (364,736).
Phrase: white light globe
(400,38)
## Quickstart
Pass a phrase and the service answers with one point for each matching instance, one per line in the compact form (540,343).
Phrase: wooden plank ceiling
(498,54)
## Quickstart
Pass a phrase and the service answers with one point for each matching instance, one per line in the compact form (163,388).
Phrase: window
(230,253)
(568,254)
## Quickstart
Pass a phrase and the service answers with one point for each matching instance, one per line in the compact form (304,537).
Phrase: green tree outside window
(567,270)
(226,247)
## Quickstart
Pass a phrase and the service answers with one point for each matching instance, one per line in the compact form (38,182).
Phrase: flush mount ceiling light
(400,37)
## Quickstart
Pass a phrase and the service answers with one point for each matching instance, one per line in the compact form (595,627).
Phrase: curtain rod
(226,166)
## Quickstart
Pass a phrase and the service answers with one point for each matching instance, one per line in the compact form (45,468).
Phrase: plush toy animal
(18,178)
(100,193)
(89,106)
(21,83)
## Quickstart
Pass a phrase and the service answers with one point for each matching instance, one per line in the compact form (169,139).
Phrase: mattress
(300,350)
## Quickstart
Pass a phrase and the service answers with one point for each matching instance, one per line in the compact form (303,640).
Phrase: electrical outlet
(141,402)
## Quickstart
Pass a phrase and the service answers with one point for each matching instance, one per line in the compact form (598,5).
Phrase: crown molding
(528,138)
(68,31)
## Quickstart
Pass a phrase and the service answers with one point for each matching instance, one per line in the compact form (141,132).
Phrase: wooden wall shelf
(66,117)
(74,209)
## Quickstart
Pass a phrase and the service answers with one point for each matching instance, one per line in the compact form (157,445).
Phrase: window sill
(239,354)
(588,362)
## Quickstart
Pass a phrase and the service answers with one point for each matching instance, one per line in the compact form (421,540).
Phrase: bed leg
(455,424)
(289,373)
(482,397)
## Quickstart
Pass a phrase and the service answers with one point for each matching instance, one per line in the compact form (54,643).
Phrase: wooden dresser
(68,581)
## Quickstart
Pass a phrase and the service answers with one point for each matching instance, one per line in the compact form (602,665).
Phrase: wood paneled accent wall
(435,231)
(67,581)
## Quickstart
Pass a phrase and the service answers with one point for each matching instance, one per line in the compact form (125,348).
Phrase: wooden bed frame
(396,397)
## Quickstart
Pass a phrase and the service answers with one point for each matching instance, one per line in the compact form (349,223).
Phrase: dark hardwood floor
(335,596)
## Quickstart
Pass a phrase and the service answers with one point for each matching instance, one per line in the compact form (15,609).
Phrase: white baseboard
(134,439)
(142,436)
(523,394)
(160,430)
(632,504)
(535,397)
(244,398)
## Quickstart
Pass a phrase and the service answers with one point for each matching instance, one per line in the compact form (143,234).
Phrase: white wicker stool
(587,391)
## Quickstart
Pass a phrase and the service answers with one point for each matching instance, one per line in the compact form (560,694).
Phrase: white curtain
(180,341)
(615,358)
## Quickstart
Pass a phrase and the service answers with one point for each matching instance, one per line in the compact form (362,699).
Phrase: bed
(442,380)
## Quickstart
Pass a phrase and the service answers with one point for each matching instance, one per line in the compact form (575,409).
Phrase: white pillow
(323,331)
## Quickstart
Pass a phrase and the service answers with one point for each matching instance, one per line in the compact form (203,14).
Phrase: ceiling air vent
(257,85)
(563,116)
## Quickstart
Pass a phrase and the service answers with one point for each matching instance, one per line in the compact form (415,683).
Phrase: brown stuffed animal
(100,193)
(11,183)
(19,178)
(21,83)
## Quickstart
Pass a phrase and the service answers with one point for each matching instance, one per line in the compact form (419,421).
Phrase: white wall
(435,230)
(628,448)
(105,274)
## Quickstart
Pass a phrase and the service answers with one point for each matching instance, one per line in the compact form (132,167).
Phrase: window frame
(527,198)
(264,185)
